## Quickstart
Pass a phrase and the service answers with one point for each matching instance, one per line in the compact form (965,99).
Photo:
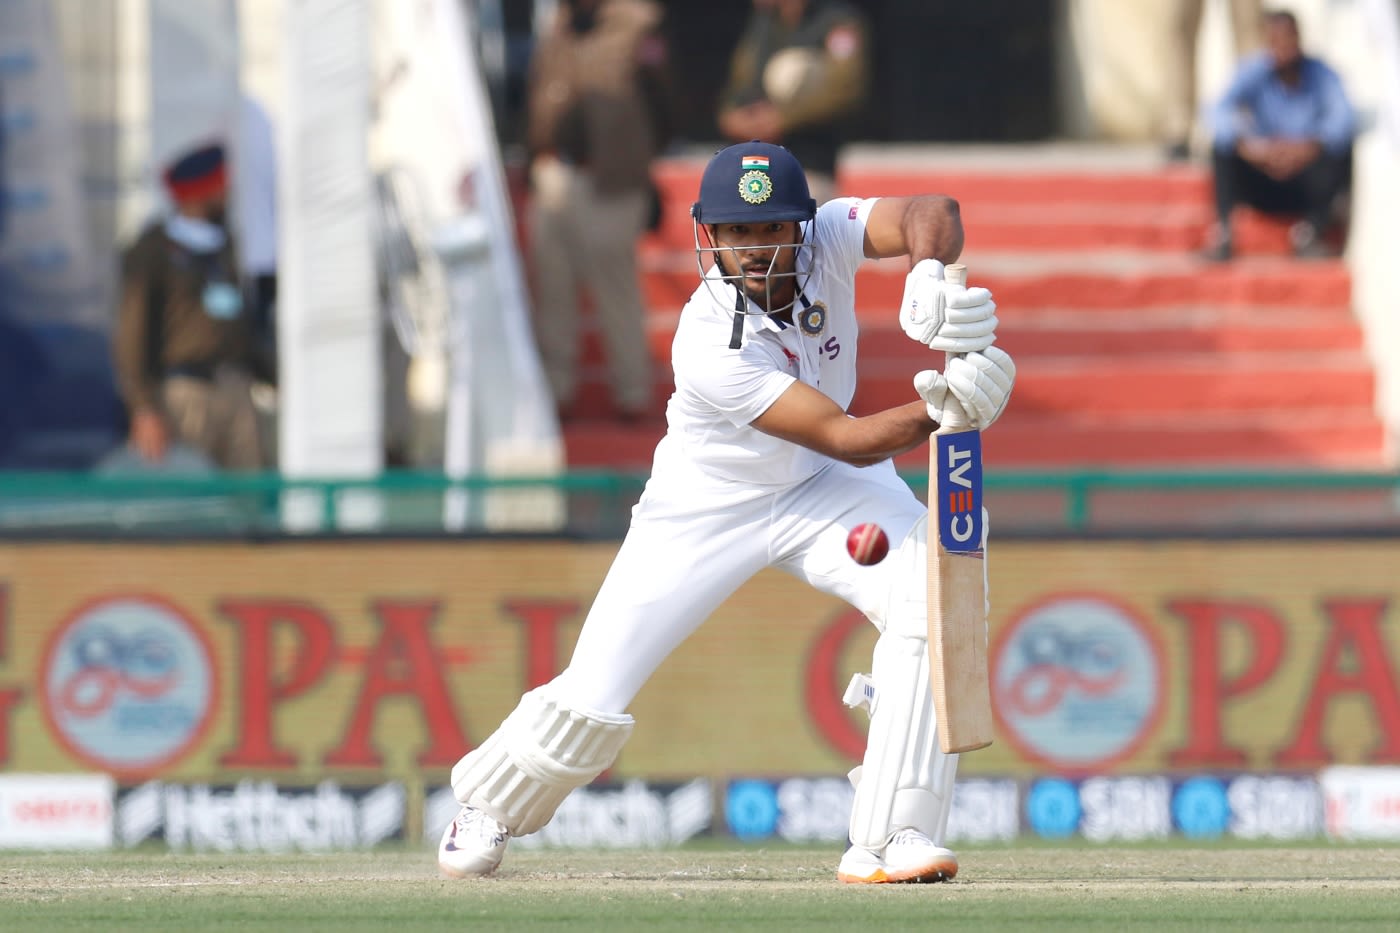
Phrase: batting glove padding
(979,383)
(943,316)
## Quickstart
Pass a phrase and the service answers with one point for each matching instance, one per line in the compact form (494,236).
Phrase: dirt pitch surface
(778,889)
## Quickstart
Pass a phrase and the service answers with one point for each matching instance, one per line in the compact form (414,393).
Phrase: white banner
(632,815)
(328,321)
(47,268)
(260,816)
(1361,802)
(56,811)
(435,134)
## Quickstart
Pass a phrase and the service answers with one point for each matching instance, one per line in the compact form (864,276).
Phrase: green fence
(597,504)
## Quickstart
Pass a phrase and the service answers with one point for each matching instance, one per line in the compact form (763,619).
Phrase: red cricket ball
(868,544)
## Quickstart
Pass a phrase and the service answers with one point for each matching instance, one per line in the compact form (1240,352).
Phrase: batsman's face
(764,254)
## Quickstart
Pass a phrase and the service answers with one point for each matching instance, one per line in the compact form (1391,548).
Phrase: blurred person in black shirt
(798,76)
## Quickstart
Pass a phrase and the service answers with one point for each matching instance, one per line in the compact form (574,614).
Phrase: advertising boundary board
(384,661)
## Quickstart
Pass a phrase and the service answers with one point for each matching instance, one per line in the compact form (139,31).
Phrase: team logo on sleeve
(813,320)
(755,186)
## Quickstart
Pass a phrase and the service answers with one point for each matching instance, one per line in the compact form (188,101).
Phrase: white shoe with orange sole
(909,857)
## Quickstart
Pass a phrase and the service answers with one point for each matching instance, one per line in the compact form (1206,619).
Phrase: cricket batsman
(761,466)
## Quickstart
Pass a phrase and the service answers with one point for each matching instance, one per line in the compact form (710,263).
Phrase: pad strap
(542,752)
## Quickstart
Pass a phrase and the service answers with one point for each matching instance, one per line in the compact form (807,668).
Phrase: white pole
(329,328)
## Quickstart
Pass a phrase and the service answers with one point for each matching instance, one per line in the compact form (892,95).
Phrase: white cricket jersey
(719,391)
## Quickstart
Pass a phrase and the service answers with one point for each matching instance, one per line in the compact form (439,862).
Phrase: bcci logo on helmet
(755,187)
(128,683)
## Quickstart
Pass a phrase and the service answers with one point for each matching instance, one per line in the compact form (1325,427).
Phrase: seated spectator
(1282,136)
(185,354)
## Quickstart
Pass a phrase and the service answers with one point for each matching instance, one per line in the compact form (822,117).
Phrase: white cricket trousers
(695,540)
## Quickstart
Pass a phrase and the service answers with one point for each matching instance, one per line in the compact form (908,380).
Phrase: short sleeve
(740,384)
(840,233)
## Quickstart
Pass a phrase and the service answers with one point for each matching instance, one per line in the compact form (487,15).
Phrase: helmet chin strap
(736,336)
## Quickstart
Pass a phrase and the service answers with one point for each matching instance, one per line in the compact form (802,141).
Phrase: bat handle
(954,274)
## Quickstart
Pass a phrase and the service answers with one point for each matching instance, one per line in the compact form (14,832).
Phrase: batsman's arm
(806,417)
(926,226)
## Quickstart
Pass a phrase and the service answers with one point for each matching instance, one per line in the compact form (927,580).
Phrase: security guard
(797,76)
(598,117)
(184,353)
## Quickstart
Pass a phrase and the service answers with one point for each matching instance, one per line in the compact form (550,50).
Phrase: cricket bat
(957,616)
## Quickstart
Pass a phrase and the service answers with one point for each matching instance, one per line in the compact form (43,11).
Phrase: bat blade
(957,620)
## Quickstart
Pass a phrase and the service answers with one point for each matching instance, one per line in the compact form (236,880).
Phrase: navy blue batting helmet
(751,183)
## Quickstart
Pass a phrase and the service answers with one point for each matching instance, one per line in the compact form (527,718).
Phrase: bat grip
(954,274)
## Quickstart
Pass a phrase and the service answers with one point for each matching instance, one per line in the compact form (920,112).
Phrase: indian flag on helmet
(754,162)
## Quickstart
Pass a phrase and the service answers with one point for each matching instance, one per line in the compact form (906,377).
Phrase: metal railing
(598,503)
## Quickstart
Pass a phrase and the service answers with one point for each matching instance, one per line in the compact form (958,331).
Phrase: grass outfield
(777,889)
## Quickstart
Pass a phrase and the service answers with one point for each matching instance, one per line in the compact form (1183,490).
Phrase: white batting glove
(933,389)
(943,316)
(978,384)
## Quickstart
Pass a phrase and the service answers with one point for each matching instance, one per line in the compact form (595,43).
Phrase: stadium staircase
(1132,351)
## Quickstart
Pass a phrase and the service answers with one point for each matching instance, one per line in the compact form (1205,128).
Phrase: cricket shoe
(909,856)
(472,845)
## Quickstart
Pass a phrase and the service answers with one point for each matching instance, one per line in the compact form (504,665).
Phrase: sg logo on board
(128,683)
(1077,682)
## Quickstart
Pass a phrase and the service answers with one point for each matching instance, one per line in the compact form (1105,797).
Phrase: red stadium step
(1031,333)
(1186,383)
(1277,283)
(1176,229)
(1340,440)
(602,444)
(1067,189)
(1030,283)
(1167,211)
(593,398)
(1132,350)
(679,179)
(1026,342)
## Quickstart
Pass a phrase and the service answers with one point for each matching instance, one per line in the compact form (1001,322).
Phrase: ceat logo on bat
(960,491)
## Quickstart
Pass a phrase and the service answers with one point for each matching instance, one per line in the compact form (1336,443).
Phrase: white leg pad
(541,753)
(905,780)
